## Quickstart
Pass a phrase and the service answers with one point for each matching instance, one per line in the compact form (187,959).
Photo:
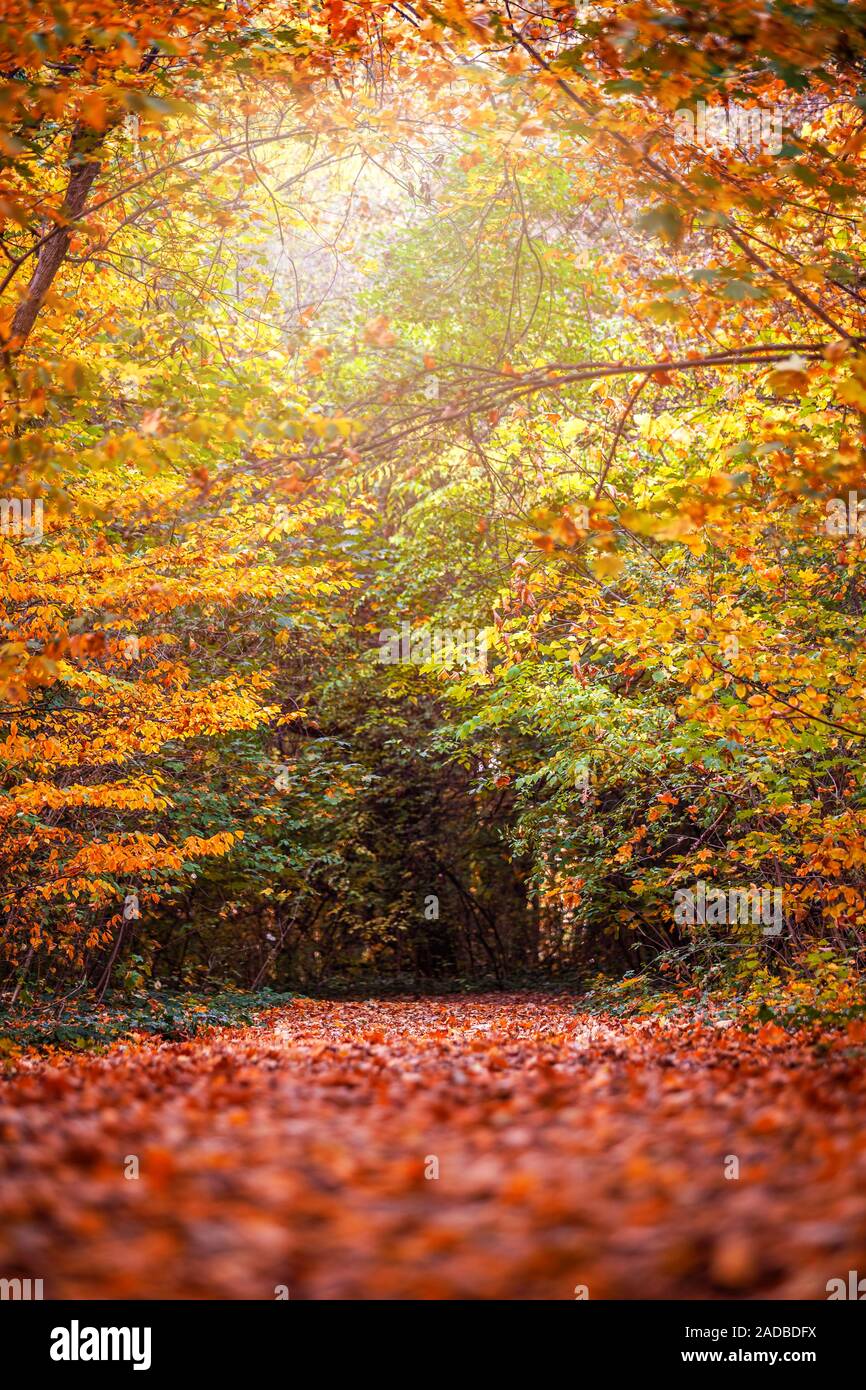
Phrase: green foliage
(81,1025)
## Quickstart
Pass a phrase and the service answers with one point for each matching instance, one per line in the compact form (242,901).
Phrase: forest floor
(573,1152)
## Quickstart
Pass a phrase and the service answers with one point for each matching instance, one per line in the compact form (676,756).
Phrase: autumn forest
(433,649)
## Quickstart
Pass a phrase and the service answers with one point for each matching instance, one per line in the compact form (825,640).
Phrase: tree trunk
(83,168)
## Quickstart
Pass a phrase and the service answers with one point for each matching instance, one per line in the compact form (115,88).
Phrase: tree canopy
(431,535)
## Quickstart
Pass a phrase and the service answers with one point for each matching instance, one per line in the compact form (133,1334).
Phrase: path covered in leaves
(571,1152)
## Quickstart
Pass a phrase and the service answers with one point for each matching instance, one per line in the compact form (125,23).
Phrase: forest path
(571,1151)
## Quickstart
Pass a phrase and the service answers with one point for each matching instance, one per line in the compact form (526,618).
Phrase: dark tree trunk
(83,168)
